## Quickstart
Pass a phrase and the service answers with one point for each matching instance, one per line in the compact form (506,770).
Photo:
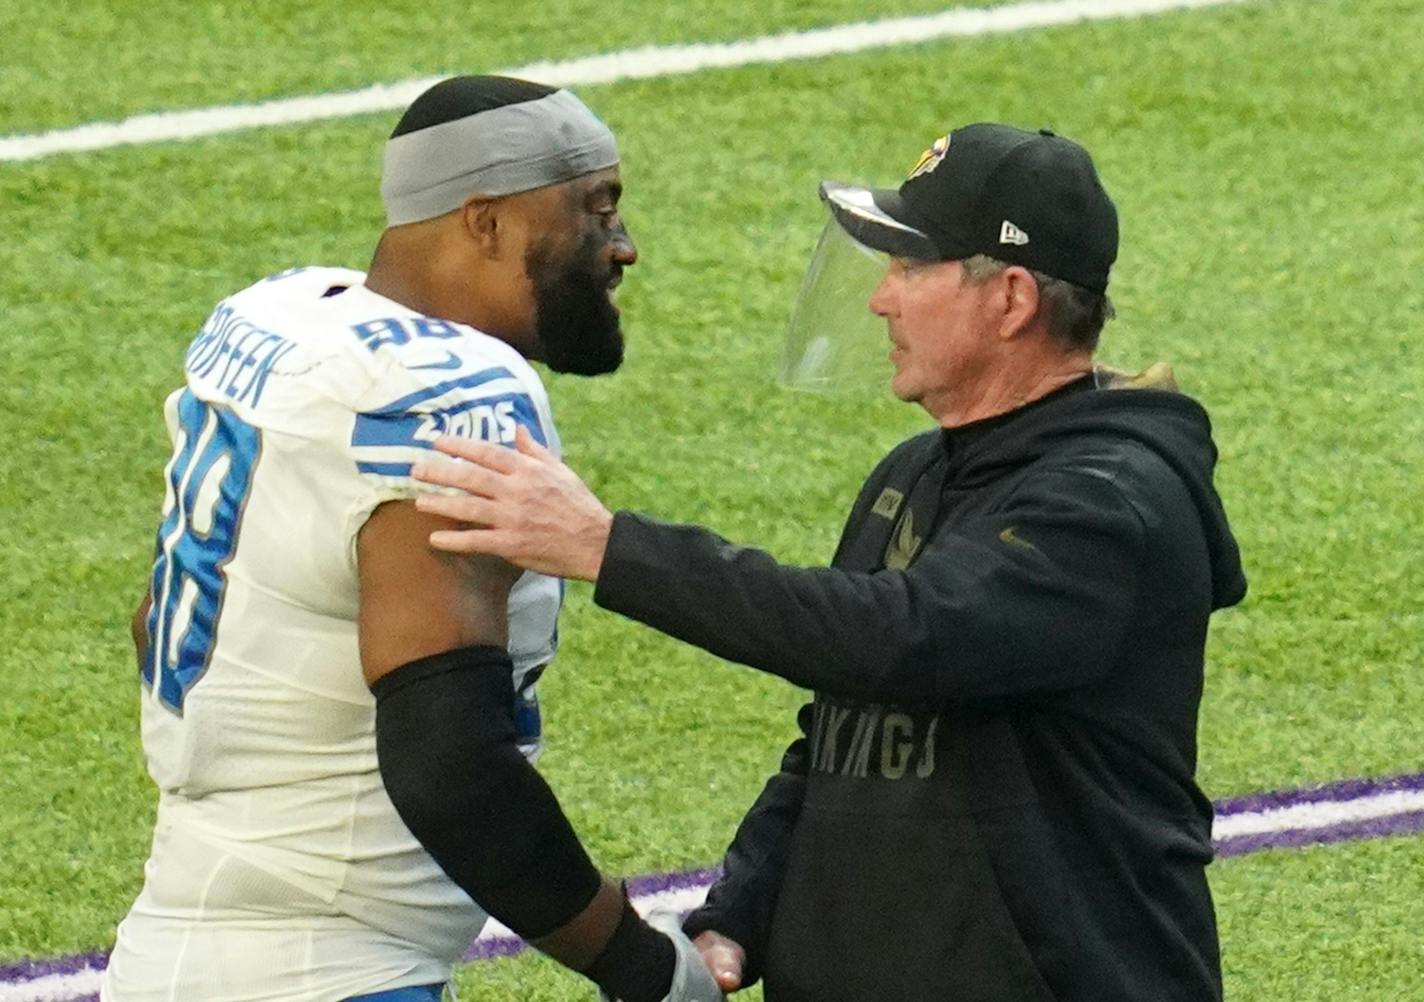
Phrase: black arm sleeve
(741,904)
(1034,597)
(446,746)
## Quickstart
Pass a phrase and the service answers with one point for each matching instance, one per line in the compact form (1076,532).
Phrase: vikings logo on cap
(930,158)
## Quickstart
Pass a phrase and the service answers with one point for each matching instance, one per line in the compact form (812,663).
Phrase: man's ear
(481,217)
(1019,301)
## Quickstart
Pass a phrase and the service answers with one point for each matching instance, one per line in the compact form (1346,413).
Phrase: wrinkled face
(573,269)
(940,328)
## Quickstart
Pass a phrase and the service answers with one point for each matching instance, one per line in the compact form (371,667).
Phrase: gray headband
(518,147)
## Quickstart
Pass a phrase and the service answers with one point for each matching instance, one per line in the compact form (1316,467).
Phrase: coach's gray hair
(1075,315)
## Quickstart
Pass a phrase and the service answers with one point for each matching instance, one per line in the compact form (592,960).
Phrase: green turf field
(1267,163)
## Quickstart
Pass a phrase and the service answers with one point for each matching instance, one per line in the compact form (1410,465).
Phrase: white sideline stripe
(681,900)
(628,64)
(1321,814)
(54,987)
(1298,817)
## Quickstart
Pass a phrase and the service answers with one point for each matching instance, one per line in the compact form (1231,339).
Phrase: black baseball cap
(1029,198)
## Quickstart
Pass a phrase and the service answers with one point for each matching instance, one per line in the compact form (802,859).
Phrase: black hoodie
(993,798)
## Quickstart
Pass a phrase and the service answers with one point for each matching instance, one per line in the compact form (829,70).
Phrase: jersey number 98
(205,491)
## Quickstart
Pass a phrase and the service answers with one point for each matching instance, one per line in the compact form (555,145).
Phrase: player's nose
(625,252)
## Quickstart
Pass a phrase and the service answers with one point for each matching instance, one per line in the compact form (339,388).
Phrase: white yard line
(629,64)
(1321,814)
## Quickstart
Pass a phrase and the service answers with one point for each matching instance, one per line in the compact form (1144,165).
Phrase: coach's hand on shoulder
(724,957)
(522,504)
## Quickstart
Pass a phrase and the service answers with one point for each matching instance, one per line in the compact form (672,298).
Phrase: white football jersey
(280,869)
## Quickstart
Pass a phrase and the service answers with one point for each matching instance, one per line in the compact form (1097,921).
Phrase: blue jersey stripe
(408,401)
(385,469)
(379,428)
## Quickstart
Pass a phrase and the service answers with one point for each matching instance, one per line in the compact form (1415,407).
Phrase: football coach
(992,798)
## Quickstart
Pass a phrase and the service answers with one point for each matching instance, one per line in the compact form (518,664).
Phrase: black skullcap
(460,97)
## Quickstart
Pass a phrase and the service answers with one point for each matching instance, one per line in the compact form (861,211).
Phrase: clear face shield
(834,342)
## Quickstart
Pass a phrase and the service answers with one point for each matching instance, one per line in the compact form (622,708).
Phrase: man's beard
(575,323)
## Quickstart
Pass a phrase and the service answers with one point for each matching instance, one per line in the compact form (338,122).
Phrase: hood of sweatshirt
(1145,408)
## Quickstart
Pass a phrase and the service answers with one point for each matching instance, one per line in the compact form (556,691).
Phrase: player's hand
(724,957)
(522,504)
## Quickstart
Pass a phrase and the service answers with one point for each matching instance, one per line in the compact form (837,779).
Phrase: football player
(340,720)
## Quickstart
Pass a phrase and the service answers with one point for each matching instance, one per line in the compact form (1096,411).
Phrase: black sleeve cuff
(623,583)
(638,963)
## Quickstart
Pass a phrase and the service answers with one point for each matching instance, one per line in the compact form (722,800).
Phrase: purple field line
(1411,822)
(1345,789)
(29,970)
(659,883)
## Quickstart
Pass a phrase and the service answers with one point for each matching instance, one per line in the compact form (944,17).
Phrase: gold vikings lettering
(871,741)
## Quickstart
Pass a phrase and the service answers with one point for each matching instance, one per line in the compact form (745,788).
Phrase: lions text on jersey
(279,869)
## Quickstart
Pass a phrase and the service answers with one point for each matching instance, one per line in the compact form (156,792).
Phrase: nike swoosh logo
(903,545)
(452,361)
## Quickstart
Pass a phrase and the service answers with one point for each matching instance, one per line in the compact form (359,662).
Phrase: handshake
(704,970)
